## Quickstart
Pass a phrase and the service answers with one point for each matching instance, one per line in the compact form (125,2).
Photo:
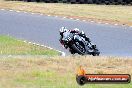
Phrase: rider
(75,30)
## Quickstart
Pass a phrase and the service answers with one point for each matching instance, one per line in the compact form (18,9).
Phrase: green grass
(11,46)
(50,79)
(40,79)
(42,72)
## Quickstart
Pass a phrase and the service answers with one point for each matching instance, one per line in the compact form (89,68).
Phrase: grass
(105,13)
(11,46)
(58,72)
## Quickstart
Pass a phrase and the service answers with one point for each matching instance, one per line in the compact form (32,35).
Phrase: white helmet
(76,29)
(62,29)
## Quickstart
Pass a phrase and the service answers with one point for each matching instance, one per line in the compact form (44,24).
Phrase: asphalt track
(110,39)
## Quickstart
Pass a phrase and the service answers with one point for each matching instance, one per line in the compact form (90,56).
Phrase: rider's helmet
(62,30)
(76,29)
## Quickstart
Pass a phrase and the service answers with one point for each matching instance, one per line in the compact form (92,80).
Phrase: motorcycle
(78,44)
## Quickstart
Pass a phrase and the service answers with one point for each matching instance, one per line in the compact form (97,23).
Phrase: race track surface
(110,39)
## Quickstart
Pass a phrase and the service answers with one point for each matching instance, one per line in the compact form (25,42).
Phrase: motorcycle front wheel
(96,53)
(79,47)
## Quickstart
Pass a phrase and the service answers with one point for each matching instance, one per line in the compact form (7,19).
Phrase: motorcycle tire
(74,46)
(96,53)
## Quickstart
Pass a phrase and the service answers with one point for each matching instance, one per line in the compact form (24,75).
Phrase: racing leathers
(82,34)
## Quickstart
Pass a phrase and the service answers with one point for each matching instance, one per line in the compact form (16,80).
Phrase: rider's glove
(87,39)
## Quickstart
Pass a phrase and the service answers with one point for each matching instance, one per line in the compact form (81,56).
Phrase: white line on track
(34,43)
(106,23)
(11,10)
(58,16)
(62,53)
(18,11)
(41,14)
(99,22)
(2,9)
(25,41)
(38,44)
(32,13)
(29,42)
(25,12)
(42,45)
(115,24)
